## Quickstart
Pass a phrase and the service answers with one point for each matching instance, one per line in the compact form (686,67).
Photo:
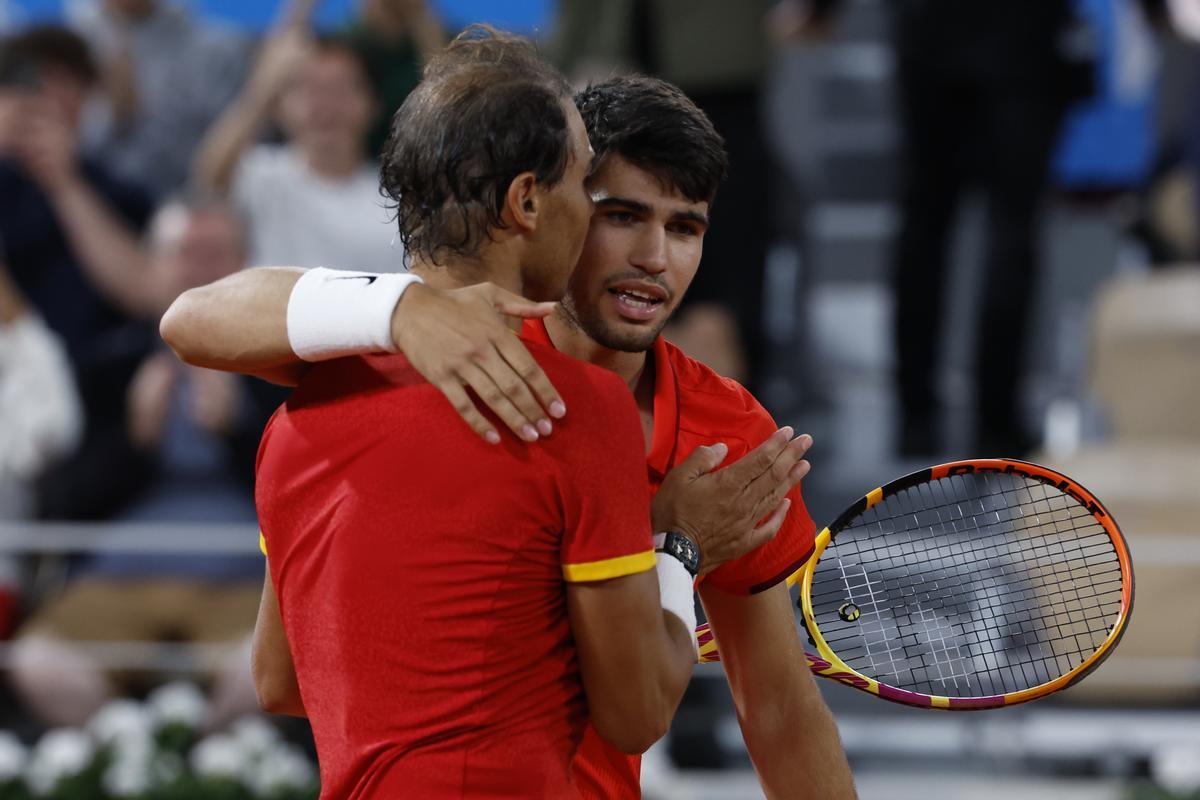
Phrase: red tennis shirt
(420,572)
(695,406)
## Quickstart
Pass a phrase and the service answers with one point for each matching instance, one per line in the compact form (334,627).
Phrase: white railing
(167,538)
(92,537)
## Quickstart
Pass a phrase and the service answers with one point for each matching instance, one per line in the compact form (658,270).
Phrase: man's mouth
(638,304)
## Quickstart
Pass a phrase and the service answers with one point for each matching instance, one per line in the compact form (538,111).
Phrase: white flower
(59,754)
(219,756)
(166,768)
(1177,768)
(254,734)
(283,766)
(123,725)
(178,702)
(128,776)
(12,756)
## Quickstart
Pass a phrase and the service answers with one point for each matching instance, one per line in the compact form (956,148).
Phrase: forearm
(793,742)
(790,734)
(108,250)
(237,324)
(228,138)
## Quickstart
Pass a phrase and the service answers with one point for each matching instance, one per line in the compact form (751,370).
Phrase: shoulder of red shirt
(711,405)
(712,409)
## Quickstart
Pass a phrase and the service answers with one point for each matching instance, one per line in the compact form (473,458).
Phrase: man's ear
(522,203)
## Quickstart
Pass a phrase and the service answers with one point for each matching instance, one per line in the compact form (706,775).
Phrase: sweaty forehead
(617,177)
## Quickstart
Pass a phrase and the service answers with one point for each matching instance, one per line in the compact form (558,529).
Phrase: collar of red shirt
(665,431)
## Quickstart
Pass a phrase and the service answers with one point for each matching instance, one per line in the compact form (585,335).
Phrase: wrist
(332,313)
(402,308)
(681,547)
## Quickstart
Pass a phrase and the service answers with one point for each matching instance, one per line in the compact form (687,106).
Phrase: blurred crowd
(146,149)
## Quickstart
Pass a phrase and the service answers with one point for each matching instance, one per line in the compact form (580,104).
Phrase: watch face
(686,551)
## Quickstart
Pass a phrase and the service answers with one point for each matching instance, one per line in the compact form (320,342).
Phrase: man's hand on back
(459,339)
(723,512)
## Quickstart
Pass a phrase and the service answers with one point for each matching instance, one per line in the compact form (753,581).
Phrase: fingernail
(528,433)
(786,432)
(720,448)
(798,471)
(808,440)
(544,427)
(492,437)
(558,410)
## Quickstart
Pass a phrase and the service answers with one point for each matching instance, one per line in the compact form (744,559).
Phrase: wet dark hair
(487,109)
(655,126)
(24,55)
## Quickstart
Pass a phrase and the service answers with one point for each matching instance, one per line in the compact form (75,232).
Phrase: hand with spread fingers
(731,511)
(459,340)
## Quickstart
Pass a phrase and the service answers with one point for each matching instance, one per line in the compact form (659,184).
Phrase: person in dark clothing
(394,38)
(64,221)
(982,90)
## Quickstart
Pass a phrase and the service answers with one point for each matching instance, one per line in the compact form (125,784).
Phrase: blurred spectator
(168,74)
(315,200)
(40,417)
(716,51)
(195,426)
(65,222)
(982,90)
(394,38)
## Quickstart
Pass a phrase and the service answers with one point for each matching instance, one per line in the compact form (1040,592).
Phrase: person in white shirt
(41,418)
(315,199)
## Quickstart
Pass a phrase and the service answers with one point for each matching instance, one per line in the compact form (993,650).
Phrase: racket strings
(934,642)
(979,584)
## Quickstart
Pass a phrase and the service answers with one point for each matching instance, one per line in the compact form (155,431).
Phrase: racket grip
(706,644)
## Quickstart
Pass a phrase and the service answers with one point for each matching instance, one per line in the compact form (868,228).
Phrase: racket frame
(826,662)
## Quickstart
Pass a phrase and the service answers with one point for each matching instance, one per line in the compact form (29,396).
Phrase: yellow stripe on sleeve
(262,543)
(609,567)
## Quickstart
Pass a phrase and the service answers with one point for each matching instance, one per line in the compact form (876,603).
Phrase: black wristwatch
(680,547)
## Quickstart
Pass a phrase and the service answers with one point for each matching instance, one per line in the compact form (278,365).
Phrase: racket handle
(706,644)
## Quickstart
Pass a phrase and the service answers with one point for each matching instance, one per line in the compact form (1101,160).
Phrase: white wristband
(675,591)
(333,313)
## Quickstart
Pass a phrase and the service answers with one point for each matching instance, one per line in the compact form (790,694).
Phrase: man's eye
(683,229)
(620,216)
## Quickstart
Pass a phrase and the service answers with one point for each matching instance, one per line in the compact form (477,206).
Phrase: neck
(631,367)
(456,272)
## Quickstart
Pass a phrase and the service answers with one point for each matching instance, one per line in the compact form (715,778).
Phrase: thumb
(513,305)
(704,459)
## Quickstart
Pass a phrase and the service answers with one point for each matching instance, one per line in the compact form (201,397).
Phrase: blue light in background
(525,16)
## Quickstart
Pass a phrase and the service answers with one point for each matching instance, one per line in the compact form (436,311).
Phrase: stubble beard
(606,335)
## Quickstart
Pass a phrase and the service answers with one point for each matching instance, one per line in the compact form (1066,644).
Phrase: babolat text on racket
(974,584)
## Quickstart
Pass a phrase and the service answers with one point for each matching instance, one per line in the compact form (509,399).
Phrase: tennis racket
(974,584)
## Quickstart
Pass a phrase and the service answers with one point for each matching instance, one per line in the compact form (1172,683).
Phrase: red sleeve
(779,558)
(603,484)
